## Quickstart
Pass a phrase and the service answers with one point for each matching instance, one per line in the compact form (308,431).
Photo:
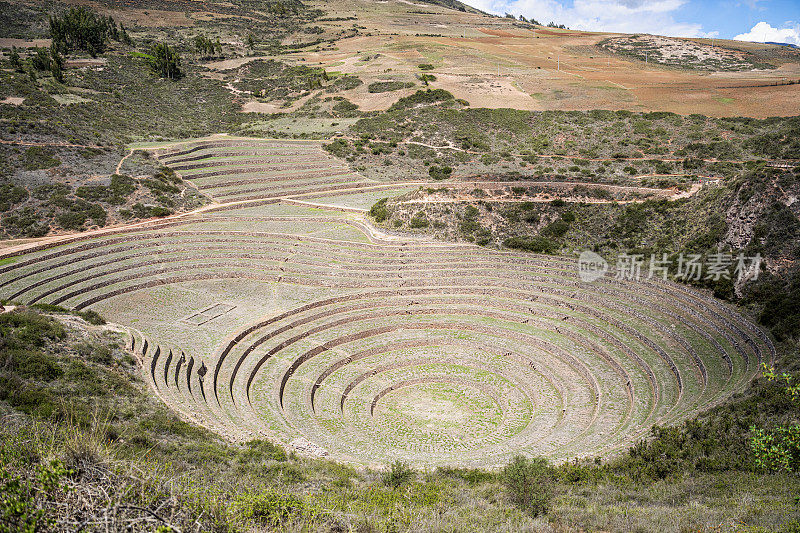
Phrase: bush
(427,97)
(39,158)
(116,193)
(23,330)
(19,508)
(419,221)
(427,78)
(72,220)
(399,473)
(11,194)
(379,211)
(272,509)
(101,355)
(440,173)
(345,107)
(778,449)
(529,484)
(41,59)
(339,148)
(157,211)
(539,245)
(555,229)
(92,317)
(31,364)
(264,449)
(388,86)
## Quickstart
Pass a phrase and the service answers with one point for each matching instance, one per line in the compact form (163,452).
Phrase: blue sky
(754,20)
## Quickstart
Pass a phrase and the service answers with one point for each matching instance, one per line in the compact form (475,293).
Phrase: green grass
(9,260)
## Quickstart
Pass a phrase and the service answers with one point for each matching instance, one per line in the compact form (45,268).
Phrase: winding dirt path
(121,161)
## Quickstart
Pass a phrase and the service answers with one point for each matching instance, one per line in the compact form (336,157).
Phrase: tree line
(206,47)
(79,28)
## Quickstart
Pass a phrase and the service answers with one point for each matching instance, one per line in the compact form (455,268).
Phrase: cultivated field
(280,312)
(496,62)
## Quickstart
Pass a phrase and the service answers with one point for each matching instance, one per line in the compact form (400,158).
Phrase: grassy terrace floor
(301,323)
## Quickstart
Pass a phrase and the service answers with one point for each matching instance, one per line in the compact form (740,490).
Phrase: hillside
(335,266)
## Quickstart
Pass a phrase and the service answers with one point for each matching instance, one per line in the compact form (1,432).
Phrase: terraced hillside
(236,170)
(305,325)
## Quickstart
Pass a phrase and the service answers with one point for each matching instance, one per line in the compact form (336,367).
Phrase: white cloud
(624,16)
(762,32)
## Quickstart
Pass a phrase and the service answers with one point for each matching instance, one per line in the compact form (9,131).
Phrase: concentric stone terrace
(304,327)
(249,169)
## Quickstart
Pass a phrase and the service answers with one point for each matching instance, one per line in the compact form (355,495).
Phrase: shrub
(116,193)
(264,449)
(339,148)
(427,78)
(92,192)
(31,364)
(157,211)
(72,219)
(92,317)
(25,329)
(388,86)
(41,59)
(345,107)
(531,217)
(139,210)
(101,355)
(427,97)
(399,473)
(272,509)
(440,173)
(39,158)
(16,62)
(539,245)
(425,66)
(19,508)
(379,211)
(778,449)
(529,484)
(11,194)
(555,229)
(419,221)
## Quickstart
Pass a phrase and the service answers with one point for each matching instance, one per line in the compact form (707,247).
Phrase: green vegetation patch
(388,86)
(39,158)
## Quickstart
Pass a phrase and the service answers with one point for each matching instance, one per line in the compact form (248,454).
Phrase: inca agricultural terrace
(279,312)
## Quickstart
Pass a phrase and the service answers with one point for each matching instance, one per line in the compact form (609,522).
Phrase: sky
(746,20)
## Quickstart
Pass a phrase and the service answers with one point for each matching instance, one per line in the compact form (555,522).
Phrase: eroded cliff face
(764,216)
(741,218)
(755,203)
